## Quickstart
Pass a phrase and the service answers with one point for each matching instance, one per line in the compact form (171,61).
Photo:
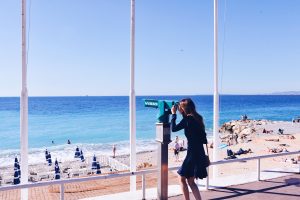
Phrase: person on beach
(244,117)
(193,166)
(114,151)
(177,139)
(176,151)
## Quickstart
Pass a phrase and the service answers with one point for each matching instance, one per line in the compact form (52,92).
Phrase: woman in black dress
(193,166)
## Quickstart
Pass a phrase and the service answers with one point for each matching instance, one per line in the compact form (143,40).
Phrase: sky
(82,47)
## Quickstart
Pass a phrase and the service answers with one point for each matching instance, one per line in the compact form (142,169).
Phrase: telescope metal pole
(163,139)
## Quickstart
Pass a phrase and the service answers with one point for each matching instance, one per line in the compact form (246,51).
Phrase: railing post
(144,186)
(258,169)
(62,191)
(207,179)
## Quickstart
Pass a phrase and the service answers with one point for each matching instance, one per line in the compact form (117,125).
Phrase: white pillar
(216,92)
(24,110)
(132,113)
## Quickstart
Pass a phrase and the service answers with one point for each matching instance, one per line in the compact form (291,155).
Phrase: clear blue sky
(82,47)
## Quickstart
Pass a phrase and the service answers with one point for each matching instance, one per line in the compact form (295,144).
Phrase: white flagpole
(132,109)
(24,110)
(216,91)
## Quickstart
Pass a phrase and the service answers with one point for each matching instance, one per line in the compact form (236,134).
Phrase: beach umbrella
(49,159)
(98,168)
(56,162)
(77,153)
(17,172)
(94,163)
(16,160)
(57,171)
(46,154)
(17,166)
(16,177)
(81,156)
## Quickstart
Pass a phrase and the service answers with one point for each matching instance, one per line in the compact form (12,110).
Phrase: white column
(24,110)
(132,113)
(216,92)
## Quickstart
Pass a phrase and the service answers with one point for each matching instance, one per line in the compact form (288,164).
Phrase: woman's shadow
(293,181)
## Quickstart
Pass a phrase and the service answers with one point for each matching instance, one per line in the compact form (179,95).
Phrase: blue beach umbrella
(81,156)
(94,163)
(49,159)
(46,154)
(57,171)
(77,152)
(56,162)
(16,178)
(17,172)
(98,168)
(17,166)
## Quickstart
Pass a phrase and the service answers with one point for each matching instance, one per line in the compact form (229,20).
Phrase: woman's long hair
(189,108)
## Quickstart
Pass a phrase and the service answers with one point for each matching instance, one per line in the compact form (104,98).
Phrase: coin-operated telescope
(163,137)
(164,107)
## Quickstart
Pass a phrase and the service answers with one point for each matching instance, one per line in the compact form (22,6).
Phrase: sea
(96,123)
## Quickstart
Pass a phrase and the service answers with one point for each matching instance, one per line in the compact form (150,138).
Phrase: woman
(193,165)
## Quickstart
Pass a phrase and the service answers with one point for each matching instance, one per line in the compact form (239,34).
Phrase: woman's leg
(194,188)
(184,187)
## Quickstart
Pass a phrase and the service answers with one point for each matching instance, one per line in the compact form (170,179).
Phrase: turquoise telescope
(164,107)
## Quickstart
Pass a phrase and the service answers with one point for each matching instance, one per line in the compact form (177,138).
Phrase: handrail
(142,172)
(74,180)
(220,162)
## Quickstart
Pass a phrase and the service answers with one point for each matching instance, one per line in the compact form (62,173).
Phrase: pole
(163,137)
(24,110)
(216,92)
(132,121)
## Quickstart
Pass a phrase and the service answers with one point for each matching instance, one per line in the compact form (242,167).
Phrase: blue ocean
(96,123)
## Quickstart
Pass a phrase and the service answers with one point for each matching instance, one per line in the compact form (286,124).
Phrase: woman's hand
(173,109)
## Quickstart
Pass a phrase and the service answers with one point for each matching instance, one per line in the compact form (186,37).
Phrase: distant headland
(286,93)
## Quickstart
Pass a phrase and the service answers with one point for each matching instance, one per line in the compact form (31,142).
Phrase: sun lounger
(83,165)
(74,172)
(272,139)
(77,172)
(45,175)
(7,179)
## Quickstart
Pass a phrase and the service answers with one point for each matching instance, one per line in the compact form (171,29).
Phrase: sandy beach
(259,142)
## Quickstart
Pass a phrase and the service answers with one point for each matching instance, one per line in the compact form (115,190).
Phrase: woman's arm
(203,136)
(179,126)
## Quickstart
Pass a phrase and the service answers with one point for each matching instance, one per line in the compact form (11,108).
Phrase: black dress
(193,164)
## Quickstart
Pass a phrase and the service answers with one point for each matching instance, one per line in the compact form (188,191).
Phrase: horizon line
(267,94)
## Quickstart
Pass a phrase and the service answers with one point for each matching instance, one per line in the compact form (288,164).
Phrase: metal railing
(142,173)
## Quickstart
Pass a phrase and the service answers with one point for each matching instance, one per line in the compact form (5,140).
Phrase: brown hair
(189,108)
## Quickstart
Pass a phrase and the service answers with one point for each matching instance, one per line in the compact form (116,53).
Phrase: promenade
(275,184)
(287,188)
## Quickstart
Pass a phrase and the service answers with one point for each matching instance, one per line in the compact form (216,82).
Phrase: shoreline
(104,148)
